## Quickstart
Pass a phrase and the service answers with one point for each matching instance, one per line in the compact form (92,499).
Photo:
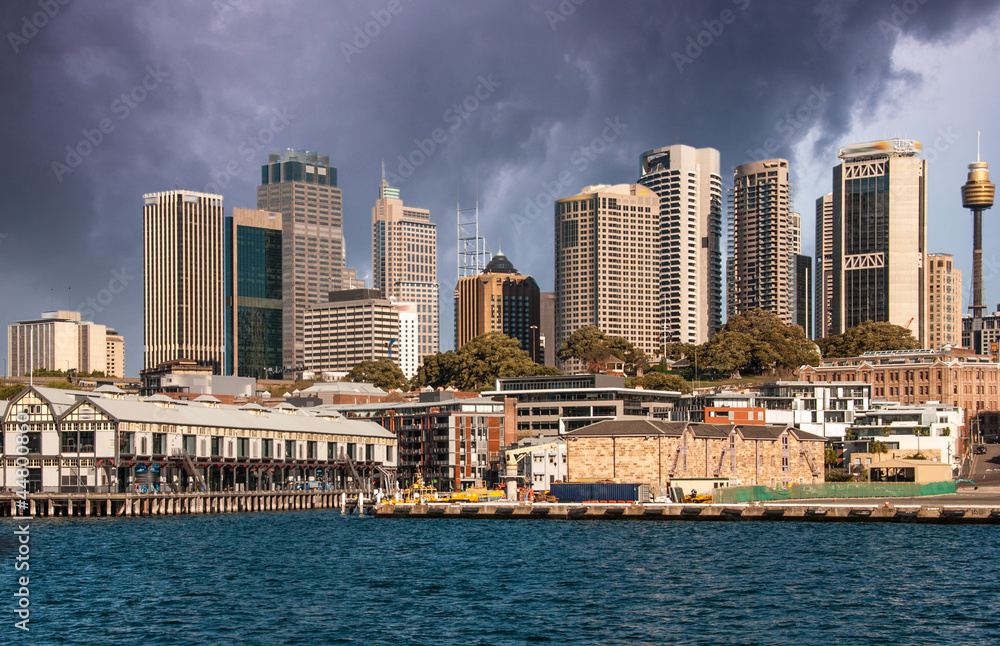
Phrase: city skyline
(99,93)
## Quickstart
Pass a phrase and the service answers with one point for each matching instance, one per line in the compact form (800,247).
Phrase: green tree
(677,351)
(660,381)
(870,336)
(879,448)
(10,391)
(489,356)
(382,373)
(830,456)
(549,370)
(62,385)
(438,371)
(593,347)
(755,343)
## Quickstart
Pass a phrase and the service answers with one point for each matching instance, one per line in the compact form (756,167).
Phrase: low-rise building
(355,325)
(551,405)
(953,376)
(451,444)
(545,465)
(186,379)
(106,441)
(655,452)
(928,430)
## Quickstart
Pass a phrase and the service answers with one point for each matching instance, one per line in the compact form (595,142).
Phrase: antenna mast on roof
(472,252)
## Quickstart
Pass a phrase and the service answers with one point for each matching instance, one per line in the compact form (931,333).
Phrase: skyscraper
(689,186)
(880,236)
(499,300)
(183,278)
(944,301)
(253,293)
(404,261)
(354,325)
(763,240)
(824,265)
(62,340)
(302,186)
(608,265)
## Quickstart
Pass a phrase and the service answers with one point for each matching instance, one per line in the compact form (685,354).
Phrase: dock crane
(512,457)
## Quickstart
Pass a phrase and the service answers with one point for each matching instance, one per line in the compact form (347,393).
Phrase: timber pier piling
(170,504)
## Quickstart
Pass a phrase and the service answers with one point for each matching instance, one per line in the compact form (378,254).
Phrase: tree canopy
(757,342)
(661,381)
(870,336)
(595,348)
(382,373)
(10,391)
(478,364)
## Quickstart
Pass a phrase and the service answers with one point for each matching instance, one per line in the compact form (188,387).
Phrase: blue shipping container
(609,491)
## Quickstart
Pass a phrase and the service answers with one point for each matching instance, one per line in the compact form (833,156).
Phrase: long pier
(170,504)
(830,513)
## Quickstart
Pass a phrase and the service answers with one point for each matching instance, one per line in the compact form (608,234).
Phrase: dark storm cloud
(518,96)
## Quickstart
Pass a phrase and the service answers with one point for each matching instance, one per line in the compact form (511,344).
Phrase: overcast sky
(105,101)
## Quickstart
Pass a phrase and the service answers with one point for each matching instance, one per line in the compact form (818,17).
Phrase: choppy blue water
(318,578)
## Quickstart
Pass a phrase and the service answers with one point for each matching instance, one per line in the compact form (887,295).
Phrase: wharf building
(763,241)
(451,444)
(552,405)
(823,318)
(254,324)
(355,325)
(302,186)
(952,376)
(62,340)
(944,301)
(183,279)
(607,265)
(111,442)
(689,187)
(880,236)
(499,300)
(826,409)
(404,262)
(657,453)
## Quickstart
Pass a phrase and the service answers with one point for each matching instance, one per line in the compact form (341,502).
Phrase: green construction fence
(732,495)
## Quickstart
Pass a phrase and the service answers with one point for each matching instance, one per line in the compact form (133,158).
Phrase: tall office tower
(355,325)
(302,186)
(499,300)
(115,344)
(183,279)
(824,266)
(547,317)
(880,236)
(689,186)
(802,313)
(977,195)
(404,261)
(405,351)
(608,265)
(61,340)
(253,294)
(763,240)
(944,301)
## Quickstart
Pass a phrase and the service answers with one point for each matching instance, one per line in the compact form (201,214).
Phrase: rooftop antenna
(472,251)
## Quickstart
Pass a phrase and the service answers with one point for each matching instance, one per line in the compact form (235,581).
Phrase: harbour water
(316,577)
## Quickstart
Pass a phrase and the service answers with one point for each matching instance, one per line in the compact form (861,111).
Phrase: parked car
(981,449)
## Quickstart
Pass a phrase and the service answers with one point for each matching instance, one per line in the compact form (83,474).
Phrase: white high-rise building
(689,186)
(61,340)
(406,354)
(824,265)
(183,278)
(404,262)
